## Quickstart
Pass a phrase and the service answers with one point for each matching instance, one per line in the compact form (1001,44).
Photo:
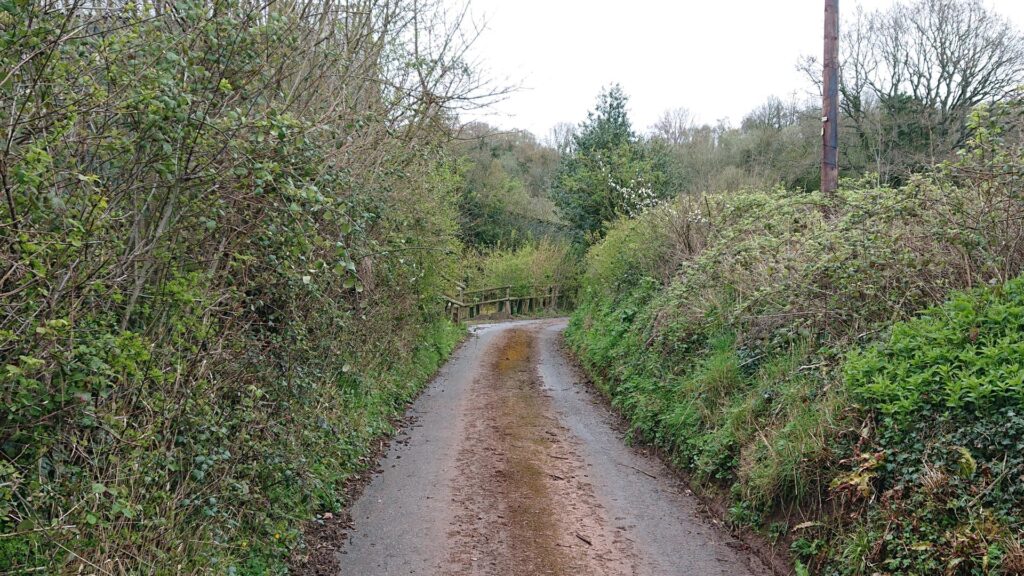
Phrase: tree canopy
(608,171)
(503,198)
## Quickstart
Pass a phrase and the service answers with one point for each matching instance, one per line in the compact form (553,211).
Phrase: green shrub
(965,356)
(541,263)
(945,389)
(632,251)
(223,262)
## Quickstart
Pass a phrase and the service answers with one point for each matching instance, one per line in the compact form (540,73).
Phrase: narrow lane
(511,468)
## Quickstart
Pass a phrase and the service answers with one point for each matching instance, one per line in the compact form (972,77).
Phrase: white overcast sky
(717,58)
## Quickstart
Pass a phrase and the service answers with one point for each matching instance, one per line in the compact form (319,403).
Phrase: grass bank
(846,371)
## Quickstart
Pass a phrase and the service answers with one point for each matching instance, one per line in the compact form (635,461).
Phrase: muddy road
(511,467)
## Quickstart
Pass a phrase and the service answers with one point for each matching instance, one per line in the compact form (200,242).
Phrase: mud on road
(525,504)
(513,468)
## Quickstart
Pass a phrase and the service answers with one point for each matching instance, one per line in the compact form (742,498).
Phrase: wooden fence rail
(472,303)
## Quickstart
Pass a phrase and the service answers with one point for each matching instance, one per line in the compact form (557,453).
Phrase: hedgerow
(721,326)
(225,229)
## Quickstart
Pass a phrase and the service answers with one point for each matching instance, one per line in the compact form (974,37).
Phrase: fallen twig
(648,474)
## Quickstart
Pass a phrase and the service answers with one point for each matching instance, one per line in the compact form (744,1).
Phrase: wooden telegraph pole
(830,101)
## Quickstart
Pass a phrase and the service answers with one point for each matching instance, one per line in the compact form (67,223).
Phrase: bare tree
(911,75)
(774,114)
(949,55)
(675,126)
(560,136)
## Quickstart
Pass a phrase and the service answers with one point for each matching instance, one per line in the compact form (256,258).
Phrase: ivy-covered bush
(225,228)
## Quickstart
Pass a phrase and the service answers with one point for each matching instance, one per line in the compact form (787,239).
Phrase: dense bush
(720,326)
(538,264)
(225,231)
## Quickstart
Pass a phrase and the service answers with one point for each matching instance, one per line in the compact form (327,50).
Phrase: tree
(776,144)
(503,199)
(911,76)
(675,126)
(607,171)
(560,136)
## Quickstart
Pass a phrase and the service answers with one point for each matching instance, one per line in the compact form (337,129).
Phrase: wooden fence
(501,302)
